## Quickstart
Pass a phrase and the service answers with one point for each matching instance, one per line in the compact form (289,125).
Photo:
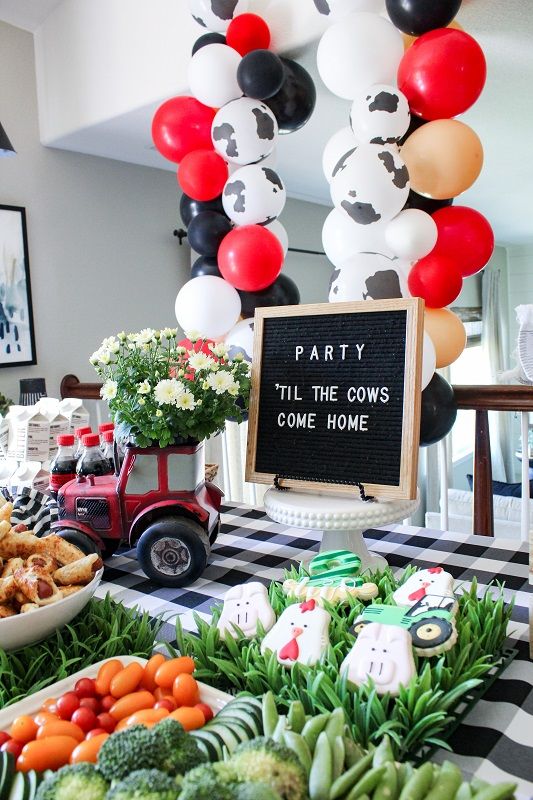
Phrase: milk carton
(76,413)
(7,468)
(4,436)
(15,418)
(32,475)
(29,434)
(59,424)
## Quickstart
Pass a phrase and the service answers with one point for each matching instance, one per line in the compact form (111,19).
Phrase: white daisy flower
(104,357)
(145,336)
(193,336)
(200,361)
(121,336)
(158,412)
(220,382)
(108,390)
(141,401)
(181,350)
(186,401)
(167,391)
(143,388)
(220,349)
(168,333)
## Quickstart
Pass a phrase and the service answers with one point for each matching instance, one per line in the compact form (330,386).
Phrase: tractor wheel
(430,632)
(173,551)
(81,540)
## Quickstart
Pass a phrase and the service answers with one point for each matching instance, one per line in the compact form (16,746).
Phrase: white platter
(31,704)
(23,629)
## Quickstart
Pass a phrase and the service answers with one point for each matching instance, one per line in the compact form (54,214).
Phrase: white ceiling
(503,118)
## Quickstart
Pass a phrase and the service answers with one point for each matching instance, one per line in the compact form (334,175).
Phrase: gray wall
(303,222)
(101,249)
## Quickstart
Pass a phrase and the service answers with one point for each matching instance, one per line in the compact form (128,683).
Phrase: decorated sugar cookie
(333,577)
(300,634)
(335,564)
(424,582)
(383,653)
(244,606)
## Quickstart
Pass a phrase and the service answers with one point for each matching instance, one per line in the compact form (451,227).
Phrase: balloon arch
(393,171)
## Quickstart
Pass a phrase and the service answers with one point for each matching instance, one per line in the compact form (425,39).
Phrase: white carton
(4,436)
(7,468)
(29,434)
(32,475)
(59,424)
(15,418)
(76,413)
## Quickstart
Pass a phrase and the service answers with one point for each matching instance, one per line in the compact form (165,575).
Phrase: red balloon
(248,32)
(442,74)
(250,258)
(182,125)
(436,279)
(465,236)
(202,174)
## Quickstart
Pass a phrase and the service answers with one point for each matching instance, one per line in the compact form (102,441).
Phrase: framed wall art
(17,338)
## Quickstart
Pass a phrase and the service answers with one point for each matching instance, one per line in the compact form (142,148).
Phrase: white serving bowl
(23,629)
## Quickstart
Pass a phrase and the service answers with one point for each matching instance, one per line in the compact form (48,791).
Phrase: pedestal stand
(342,520)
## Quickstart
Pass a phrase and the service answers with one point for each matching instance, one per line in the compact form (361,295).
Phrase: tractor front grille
(94,511)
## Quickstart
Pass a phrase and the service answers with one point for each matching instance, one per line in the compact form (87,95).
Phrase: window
(143,477)
(472,367)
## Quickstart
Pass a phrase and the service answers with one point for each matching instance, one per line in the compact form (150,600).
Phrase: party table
(495,739)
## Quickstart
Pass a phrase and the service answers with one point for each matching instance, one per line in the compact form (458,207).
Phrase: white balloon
(338,9)
(372,185)
(216,15)
(280,233)
(254,195)
(208,305)
(412,234)
(369,276)
(429,360)
(342,238)
(357,52)
(212,75)
(380,114)
(240,339)
(337,147)
(244,131)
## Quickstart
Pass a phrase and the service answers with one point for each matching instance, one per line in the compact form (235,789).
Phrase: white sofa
(507,514)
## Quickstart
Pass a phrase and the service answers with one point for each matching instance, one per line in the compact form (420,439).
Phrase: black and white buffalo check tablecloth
(495,741)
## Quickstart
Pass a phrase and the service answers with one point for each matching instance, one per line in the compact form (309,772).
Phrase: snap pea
(296,716)
(269,714)
(464,792)
(383,753)
(477,784)
(353,753)
(297,744)
(321,769)
(312,728)
(418,784)
(405,772)
(502,791)
(280,728)
(338,753)
(335,724)
(347,780)
(447,781)
(387,788)
(367,783)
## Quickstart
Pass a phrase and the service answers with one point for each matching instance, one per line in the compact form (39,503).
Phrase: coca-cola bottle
(102,428)
(92,460)
(78,446)
(108,449)
(63,466)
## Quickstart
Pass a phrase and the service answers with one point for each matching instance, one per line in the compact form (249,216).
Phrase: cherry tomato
(169,671)
(106,721)
(206,710)
(126,681)
(107,702)
(150,669)
(88,750)
(163,694)
(42,717)
(91,702)
(85,687)
(85,719)
(13,747)
(95,732)
(49,705)
(190,718)
(23,729)
(147,716)
(185,690)
(61,728)
(67,705)
(4,737)
(50,753)
(106,672)
(169,703)
(130,703)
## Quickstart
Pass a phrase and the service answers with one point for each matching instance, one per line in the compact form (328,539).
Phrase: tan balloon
(447,333)
(408,40)
(443,158)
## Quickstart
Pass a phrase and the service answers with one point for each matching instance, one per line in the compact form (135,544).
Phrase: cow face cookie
(432,581)
(244,606)
(383,653)
(300,634)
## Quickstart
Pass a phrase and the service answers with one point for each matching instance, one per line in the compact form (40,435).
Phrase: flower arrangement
(160,391)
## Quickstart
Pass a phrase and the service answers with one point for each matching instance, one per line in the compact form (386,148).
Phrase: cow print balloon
(380,115)
(216,15)
(337,9)
(254,195)
(369,276)
(244,131)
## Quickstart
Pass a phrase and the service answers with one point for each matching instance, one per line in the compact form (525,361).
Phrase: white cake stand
(342,520)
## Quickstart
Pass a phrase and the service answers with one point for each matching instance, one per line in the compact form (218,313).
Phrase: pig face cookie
(383,653)
(245,606)
(300,634)
(425,582)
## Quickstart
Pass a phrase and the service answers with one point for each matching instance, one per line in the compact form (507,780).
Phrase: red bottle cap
(79,432)
(106,426)
(65,438)
(108,436)
(90,440)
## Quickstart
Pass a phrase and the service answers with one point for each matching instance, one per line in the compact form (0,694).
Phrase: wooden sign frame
(407,486)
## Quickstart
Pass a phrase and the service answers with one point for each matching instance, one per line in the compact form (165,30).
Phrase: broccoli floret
(132,749)
(209,782)
(178,752)
(144,784)
(265,761)
(170,731)
(74,782)
(255,791)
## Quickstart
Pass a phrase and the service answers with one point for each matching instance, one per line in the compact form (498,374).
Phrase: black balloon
(439,410)
(416,17)
(295,101)
(208,38)
(189,208)
(427,204)
(283,292)
(205,266)
(206,231)
(260,74)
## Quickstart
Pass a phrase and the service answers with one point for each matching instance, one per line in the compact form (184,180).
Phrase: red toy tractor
(159,502)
